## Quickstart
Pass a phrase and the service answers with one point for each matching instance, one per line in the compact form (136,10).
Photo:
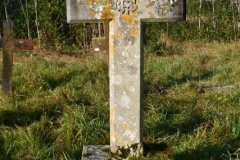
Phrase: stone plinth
(96,152)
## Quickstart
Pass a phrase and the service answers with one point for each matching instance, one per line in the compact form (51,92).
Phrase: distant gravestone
(125,61)
(9,45)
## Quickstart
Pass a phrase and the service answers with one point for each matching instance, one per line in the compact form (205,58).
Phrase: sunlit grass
(57,107)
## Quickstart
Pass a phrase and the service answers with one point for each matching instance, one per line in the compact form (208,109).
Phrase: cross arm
(163,10)
(85,11)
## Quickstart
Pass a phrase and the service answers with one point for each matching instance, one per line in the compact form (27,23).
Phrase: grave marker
(125,59)
(7,56)
(9,45)
(23,44)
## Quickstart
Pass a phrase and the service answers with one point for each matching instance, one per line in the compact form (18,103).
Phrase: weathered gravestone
(9,45)
(125,61)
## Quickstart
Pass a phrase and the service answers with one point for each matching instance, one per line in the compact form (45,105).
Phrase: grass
(59,106)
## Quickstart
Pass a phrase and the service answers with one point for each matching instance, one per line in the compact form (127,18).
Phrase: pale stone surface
(125,58)
(93,152)
(79,11)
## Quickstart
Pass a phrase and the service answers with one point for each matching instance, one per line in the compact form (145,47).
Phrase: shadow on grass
(172,81)
(152,148)
(214,152)
(24,117)
(208,151)
(181,114)
(186,126)
(186,78)
(3,155)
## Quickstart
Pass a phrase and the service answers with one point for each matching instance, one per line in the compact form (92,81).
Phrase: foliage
(202,24)
(54,31)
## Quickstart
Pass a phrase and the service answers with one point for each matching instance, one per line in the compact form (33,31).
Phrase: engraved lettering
(126,6)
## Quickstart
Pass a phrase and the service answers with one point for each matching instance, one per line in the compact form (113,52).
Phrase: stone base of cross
(125,59)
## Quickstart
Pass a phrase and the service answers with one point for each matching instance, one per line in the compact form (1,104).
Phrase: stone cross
(125,58)
(9,45)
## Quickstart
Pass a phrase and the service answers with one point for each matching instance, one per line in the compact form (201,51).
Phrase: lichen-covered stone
(125,59)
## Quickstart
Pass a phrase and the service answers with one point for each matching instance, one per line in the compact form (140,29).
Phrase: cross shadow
(148,86)
(215,151)
(192,119)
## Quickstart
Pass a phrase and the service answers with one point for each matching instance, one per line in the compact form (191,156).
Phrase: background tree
(45,21)
(24,7)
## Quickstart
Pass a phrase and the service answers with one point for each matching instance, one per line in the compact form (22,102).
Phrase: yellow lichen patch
(165,8)
(120,47)
(112,36)
(92,13)
(111,115)
(151,15)
(89,2)
(133,31)
(111,45)
(120,141)
(135,6)
(112,134)
(107,13)
(111,48)
(119,33)
(124,126)
(147,6)
(128,18)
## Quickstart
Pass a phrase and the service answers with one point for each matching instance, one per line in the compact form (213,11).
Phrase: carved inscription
(163,7)
(19,44)
(123,6)
(126,6)
(97,7)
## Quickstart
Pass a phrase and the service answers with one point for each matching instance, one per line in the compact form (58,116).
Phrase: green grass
(57,107)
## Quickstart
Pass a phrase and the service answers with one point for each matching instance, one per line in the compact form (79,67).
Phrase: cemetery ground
(60,103)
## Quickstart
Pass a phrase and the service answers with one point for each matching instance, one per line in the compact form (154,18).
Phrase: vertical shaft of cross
(7,56)
(125,84)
